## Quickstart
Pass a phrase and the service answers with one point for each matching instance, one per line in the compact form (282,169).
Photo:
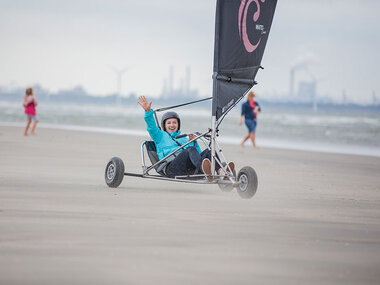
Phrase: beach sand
(315,218)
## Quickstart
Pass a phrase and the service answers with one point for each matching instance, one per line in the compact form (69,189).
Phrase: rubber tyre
(248,188)
(114,173)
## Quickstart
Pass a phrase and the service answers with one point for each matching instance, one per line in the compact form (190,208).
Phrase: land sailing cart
(241,33)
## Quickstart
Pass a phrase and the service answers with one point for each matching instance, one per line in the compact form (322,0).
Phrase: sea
(334,130)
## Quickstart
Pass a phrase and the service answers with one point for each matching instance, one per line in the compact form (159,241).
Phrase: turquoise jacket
(165,142)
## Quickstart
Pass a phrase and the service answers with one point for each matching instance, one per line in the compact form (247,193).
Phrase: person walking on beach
(249,111)
(30,103)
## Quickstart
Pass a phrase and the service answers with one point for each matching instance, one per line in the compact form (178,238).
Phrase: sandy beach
(314,220)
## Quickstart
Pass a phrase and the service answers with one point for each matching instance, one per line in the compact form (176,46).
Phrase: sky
(65,44)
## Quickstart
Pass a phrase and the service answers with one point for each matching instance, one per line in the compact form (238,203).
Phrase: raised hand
(191,136)
(144,103)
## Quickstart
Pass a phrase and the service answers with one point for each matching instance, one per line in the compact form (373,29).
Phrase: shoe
(231,169)
(206,168)
(231,165)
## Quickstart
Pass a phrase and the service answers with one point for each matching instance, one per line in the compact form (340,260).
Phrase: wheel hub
(243,183)
(111,171)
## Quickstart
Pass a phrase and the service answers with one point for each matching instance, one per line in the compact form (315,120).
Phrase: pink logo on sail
(243,23)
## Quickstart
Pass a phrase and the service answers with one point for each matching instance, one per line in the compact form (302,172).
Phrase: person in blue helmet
(191,159)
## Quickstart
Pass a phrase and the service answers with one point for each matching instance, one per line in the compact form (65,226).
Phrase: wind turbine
(119,75)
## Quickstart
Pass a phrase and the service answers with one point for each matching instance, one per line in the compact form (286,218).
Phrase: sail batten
(230,79)
(223,71)
(241,33)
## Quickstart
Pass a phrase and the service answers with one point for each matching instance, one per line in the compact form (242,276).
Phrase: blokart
(241,34)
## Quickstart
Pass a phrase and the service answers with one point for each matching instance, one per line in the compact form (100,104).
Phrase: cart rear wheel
(248,182)
(114,173)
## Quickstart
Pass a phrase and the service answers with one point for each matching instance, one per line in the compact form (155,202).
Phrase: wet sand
(314,220)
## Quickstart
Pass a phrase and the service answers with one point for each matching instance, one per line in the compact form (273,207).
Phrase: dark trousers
(188,162)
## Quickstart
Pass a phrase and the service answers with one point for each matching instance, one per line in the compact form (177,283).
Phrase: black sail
(241,33)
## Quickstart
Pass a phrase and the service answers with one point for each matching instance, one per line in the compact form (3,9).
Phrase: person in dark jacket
(249,111)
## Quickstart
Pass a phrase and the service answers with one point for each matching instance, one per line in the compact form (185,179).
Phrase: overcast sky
(63,44)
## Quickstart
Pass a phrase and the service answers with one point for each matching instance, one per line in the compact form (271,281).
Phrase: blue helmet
(170,115)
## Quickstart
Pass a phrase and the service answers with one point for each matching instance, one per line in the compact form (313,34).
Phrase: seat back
(152,154)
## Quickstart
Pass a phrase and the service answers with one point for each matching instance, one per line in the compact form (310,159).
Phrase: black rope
(180,105)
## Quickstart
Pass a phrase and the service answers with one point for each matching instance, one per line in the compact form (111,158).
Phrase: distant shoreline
(265,143)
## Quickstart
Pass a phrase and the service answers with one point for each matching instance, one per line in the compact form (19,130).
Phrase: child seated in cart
(188,161)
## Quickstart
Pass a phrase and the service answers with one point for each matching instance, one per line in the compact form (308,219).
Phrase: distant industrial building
(183,91)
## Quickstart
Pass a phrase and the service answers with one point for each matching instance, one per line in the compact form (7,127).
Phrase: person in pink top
(30,103)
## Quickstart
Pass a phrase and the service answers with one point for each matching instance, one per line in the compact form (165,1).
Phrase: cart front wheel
(248,182)
(114,173)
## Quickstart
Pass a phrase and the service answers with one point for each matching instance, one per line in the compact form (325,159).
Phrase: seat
(151,150)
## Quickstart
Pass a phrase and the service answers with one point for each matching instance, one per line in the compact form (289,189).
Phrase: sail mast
(241,33)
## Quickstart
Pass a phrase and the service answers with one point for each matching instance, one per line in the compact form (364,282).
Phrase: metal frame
(208,140)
